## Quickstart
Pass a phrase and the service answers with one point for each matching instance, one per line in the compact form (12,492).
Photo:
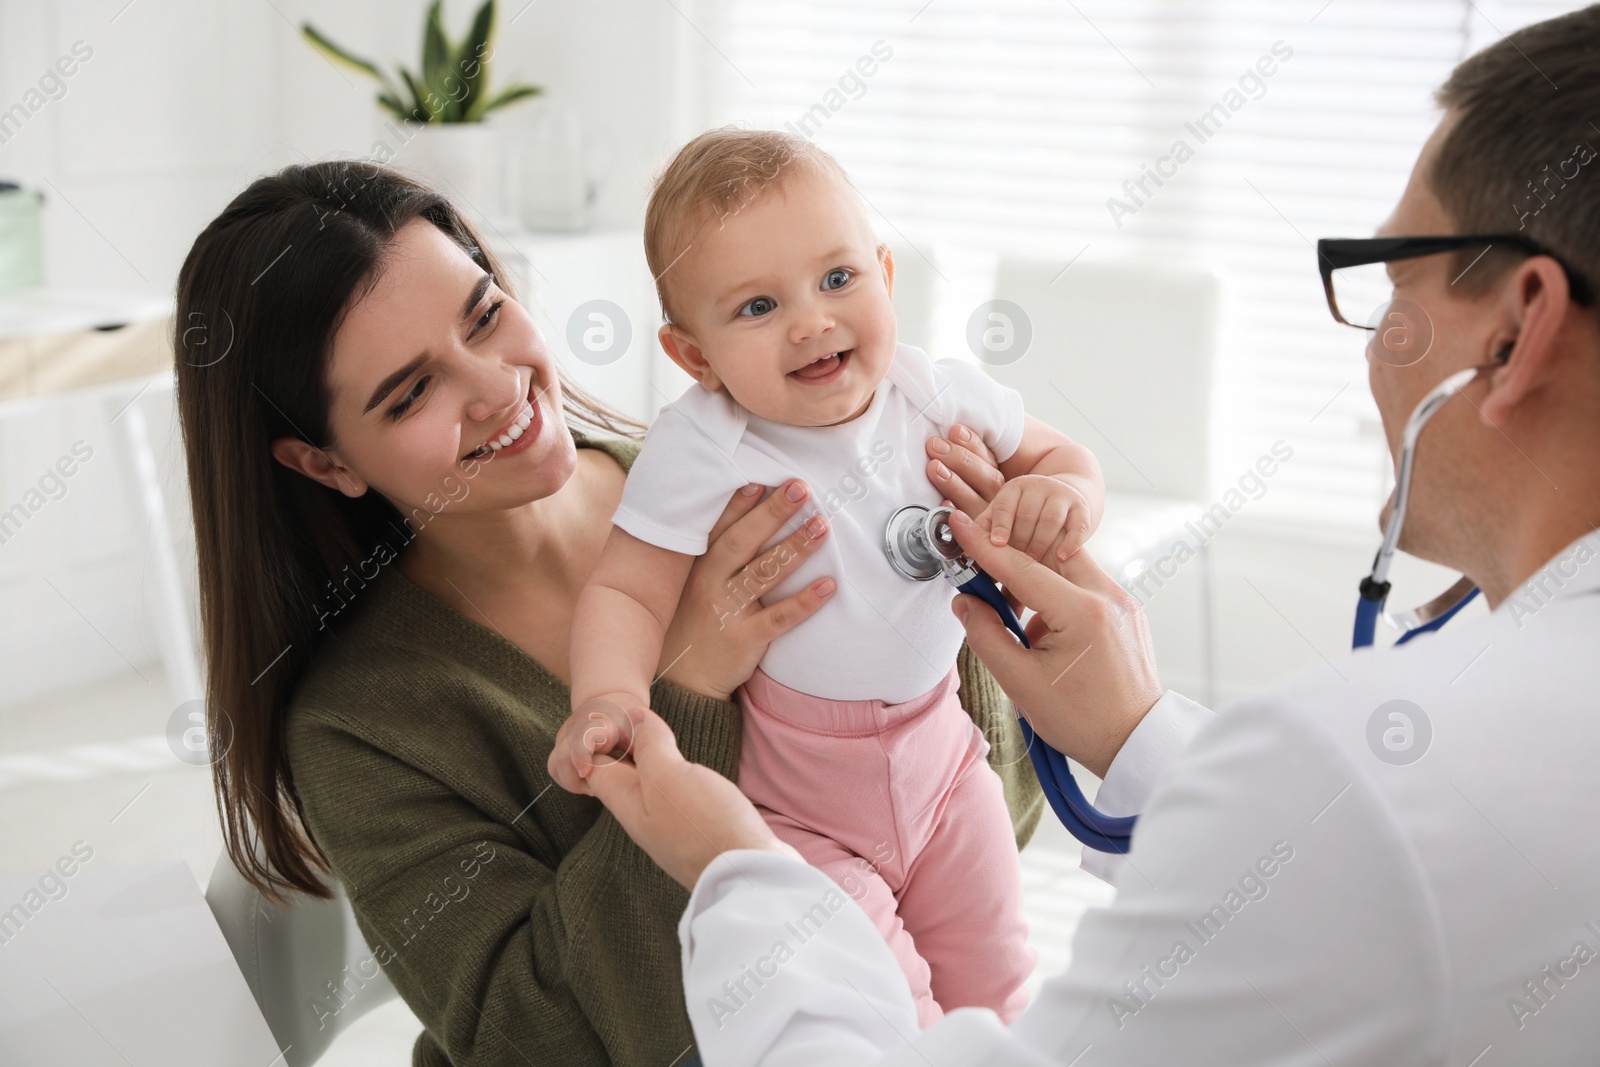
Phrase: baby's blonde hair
(714,176)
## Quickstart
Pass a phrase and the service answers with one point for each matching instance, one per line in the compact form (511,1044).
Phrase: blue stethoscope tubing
(1106,833)
(1375,586)
(1369,609)
(1113,834)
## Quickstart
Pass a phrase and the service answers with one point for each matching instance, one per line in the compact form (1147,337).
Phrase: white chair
(1121,359)
(309,966)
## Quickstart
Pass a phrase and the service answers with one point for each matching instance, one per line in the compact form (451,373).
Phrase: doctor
(1392,859)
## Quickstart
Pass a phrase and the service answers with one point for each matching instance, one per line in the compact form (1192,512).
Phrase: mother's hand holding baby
(1086,683)
(714,652)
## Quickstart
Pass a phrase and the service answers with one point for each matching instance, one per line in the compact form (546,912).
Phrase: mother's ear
(316,464)
(1529,347)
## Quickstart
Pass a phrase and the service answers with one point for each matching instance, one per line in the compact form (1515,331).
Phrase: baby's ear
(886,261)
(685,352)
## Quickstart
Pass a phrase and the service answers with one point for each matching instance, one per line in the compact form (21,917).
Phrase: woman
(393,522)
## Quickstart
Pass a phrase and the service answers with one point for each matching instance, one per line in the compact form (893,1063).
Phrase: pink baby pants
(897,804)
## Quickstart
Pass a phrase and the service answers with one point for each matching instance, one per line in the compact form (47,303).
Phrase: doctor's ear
(1529,347)
(305,458)
(685,352)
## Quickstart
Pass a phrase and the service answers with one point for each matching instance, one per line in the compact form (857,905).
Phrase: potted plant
(443,106)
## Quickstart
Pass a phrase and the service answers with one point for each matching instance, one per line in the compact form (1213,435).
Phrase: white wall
(180,104)
(185,101)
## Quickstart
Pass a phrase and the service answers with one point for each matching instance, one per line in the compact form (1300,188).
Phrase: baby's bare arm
(1046,450)
(621,619)
(617,630)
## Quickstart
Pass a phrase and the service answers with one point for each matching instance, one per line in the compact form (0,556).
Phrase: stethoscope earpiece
(1375,586)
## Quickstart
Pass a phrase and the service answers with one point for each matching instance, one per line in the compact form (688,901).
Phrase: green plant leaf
(419,107)
(437,57)
(392,106)
(339,55)
(508,95)
(472,64)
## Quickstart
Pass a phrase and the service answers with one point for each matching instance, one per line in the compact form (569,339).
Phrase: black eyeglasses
(1358,285)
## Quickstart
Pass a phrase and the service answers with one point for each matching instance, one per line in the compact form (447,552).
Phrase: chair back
(309,966)
(1120,359)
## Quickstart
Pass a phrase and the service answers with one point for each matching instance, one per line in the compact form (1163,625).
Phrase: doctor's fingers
(620,786)
(682,814)
(596,734)
(1036,584)
(992,643)
(1082,571)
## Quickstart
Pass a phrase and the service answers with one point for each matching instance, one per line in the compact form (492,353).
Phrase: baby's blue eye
(837,278)
(757,307)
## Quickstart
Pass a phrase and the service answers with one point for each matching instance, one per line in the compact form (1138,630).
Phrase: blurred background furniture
(117,348)
(125,966)
(1120,359)
(309,966)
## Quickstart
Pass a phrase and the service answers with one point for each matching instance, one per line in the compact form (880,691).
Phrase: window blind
(1011,126)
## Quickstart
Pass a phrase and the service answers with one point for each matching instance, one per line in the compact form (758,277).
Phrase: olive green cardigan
(517,920)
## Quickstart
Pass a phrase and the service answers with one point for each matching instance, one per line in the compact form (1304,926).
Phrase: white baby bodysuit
(881,635)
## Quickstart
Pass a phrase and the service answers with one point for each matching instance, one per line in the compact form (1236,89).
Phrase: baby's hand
(596,733)
(1038,513)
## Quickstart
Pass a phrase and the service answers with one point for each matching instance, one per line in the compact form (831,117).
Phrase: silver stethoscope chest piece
(920,545)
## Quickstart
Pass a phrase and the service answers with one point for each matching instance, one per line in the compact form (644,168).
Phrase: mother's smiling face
(435,376)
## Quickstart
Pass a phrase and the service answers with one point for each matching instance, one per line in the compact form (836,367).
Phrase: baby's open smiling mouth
(825,369)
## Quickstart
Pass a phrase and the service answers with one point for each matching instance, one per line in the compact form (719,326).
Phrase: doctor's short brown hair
(1524,153)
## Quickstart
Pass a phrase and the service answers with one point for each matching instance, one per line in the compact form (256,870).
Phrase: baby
(855,747)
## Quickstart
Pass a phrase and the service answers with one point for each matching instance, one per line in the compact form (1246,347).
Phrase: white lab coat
(1292,897)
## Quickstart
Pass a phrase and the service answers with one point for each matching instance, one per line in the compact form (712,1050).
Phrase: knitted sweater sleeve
(509,950)
(990,709)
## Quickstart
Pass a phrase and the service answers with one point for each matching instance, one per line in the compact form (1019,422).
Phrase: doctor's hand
(682,814)
(1091,674)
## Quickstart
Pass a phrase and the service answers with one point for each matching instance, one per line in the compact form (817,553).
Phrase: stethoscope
(920,545)
(1375,586)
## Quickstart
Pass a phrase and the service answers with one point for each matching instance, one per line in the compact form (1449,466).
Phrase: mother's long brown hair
(260,297)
